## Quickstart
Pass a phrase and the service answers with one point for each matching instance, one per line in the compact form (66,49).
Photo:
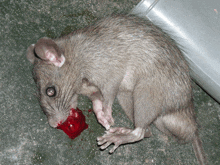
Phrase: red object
(90,110)
(74,124)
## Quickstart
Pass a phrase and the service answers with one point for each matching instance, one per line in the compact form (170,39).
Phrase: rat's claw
(100,141)
(106,140)
(113,149)
(104,143)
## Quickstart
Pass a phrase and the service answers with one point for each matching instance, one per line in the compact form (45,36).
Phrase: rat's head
(54,80)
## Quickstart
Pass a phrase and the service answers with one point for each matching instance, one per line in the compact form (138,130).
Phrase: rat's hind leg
(126,102)
(144,114)
(178,124)
(182,125)
(125,99)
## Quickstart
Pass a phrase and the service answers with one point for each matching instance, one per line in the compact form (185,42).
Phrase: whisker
(54,111)
(66,98)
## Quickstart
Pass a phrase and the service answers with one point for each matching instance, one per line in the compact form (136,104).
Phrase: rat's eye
(51,91)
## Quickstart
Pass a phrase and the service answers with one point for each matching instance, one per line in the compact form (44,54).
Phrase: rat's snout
(55,120)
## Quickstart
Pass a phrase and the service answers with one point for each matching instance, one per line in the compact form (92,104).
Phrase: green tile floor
(25,136)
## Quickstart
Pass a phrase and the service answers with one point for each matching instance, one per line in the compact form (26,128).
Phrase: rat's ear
(30,53)
(47,50)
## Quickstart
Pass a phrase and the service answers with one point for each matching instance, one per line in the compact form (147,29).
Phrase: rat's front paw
(108,115)
(104,116)
(110,119)
(103,120)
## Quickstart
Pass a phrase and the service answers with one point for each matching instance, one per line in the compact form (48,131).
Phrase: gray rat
(124,57)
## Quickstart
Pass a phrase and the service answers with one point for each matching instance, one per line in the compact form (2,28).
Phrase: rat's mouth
(74,124)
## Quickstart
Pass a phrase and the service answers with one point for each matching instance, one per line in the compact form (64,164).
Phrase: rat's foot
(120,136)
(104,118)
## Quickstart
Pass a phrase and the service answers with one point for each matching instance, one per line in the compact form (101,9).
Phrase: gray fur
(128,58)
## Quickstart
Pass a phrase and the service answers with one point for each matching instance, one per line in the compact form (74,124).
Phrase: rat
(125,57)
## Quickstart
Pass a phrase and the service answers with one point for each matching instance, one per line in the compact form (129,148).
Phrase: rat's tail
(198,149)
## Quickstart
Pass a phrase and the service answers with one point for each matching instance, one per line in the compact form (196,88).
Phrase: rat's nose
(55,121)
